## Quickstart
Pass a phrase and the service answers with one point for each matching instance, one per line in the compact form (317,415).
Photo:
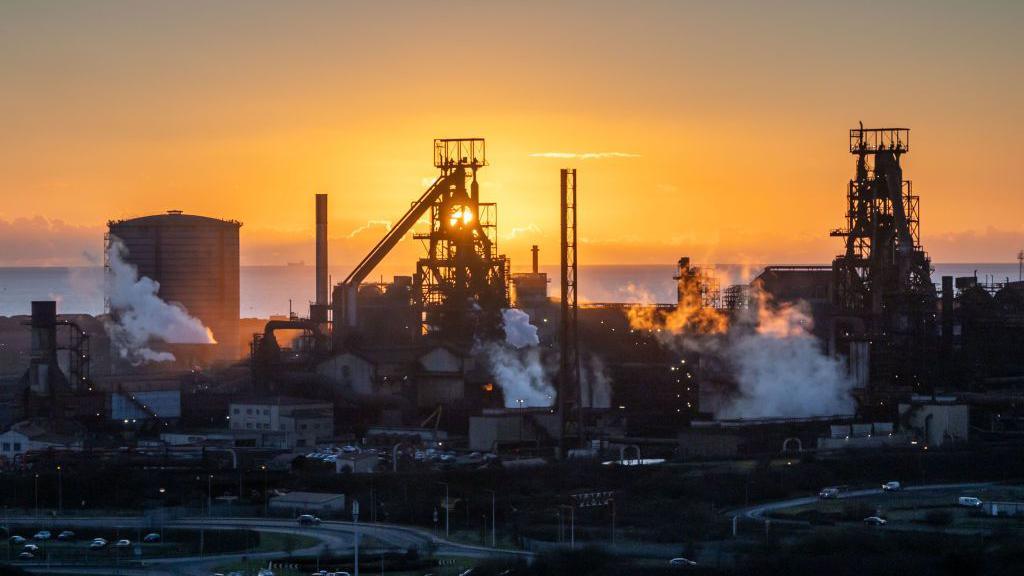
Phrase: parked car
(26,556)
(17,540)
(66,535)
(151,538)
(123,543)
(42,535)
(892,486)
(31,548)
(97,544)
(969,501)
(875,521)
(681,562)
(308,520)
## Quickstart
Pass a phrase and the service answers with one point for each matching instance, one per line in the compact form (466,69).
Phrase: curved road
(333,537)
(757,512)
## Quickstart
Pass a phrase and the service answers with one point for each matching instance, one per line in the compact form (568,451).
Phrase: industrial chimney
(321,249)
(536,259)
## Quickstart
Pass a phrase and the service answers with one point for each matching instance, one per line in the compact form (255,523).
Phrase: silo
(195,260)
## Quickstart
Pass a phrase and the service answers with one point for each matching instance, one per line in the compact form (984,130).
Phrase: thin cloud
(583,155)
(369,225)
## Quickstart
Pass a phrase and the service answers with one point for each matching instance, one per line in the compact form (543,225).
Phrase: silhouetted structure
(883,296)
(195,260)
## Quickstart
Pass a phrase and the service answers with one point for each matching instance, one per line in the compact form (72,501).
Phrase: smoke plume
(517,365)
(142,317)
(781,370)
(778,366)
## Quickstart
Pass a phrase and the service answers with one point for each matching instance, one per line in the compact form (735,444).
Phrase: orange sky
(734,116)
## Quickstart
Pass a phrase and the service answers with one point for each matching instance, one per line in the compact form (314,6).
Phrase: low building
(427,375)
(29,435)
(358,463)
(935,420)
(284,422)
(1003,508)
(316,503)
(496,429)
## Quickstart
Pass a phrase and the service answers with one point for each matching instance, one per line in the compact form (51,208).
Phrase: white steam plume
(519,333)
(517,365)
(596,383)
(142,316)
(782,372)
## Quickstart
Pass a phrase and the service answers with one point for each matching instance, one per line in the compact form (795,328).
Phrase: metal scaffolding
(883,292)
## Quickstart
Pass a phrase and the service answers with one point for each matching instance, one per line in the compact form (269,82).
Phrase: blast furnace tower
(883,297)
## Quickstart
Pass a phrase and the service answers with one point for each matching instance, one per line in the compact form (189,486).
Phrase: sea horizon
(265,289)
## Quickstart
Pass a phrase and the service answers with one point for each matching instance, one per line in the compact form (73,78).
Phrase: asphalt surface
(757,512)
(333,538)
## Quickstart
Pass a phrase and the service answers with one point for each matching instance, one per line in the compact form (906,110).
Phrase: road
(333,538)
(757,512)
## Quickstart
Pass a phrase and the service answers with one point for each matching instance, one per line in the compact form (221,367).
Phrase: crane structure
(461,285)
(883,297)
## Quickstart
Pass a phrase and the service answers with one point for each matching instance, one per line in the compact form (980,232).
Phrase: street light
(447,508)
(209,495)
(60,490)
(266,495)
(494,536)
(355,527)
(37,495)
(572,525)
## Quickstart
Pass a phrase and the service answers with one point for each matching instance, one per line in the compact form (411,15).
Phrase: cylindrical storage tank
(195,260)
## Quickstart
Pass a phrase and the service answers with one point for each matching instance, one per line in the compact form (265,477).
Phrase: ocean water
(266,290)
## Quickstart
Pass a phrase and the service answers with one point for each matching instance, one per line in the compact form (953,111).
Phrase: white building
(285,422)
(28,436)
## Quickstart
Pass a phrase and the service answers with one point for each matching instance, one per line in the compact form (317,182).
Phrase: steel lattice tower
(882,290)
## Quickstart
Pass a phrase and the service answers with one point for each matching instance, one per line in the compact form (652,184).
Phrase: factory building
(195,260)
(284,421)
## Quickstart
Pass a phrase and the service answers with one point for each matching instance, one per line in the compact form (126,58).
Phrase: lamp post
(266,494)
(572,525)
(494,537)
(447,508)
(209,495)
(37,495)
(60,490)
(355,526)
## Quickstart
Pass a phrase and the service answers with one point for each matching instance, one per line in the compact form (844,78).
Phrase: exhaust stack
(321,249)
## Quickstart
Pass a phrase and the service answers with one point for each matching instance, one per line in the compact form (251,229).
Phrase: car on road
(875,521)
(123,543)
(308,520)
(681,562)
(892,486)
(831,492)
(969,501)
(26,556)
(98,544)
(151,538)
(42,535)
(17,540)
(30,548)
(66,535)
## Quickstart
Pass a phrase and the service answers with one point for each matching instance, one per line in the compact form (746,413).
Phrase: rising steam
(778,366)
(525,374)
(517,364)
(781,370)
(142,316)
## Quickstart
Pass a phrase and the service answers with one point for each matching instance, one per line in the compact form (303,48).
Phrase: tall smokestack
(321,249)
(536,261)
